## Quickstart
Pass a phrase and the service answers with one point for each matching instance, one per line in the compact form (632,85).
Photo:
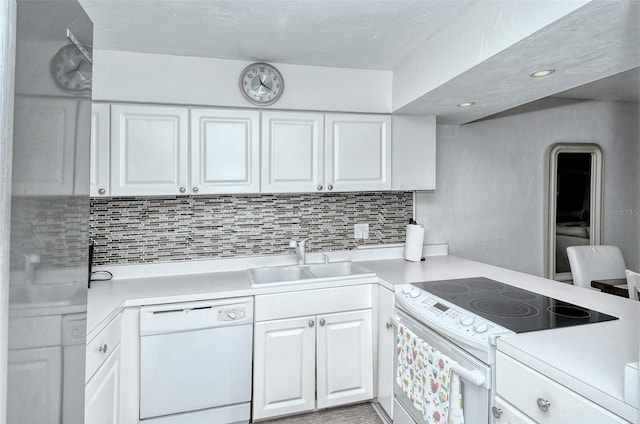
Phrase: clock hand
(262,83)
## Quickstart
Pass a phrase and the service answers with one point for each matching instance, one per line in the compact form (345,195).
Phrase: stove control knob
(406,290)
(480,327)
(467,320)
(414,293)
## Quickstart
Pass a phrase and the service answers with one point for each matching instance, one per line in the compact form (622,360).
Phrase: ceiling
(360,34)
(595,50)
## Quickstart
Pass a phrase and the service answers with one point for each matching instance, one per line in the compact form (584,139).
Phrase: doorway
(574,203)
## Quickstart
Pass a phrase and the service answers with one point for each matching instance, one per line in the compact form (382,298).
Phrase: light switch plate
(361,231)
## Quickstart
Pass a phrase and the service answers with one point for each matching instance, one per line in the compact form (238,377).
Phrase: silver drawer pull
(543,404)
(497,412)
(102,191)
(319,187)
(322,321)
(311,323)
(389,326)
(103,348)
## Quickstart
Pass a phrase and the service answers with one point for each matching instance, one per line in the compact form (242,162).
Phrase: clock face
(261,84)
(71,70)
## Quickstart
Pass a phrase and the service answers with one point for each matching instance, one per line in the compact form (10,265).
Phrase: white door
(284,367)
(225,151)
(149,150)
(358,152)
(100,133)
(43,153)
(102,392)
(35,378)
(345,358)
(386,350)
(292,152)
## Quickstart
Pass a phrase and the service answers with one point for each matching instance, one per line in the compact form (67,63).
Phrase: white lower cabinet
(103,371)
(35,376)
(284,366)
(102,392)
(312,361)
(386,350)
(542,399)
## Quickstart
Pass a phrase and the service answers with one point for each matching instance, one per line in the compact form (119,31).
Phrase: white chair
(590,263)
(633,284)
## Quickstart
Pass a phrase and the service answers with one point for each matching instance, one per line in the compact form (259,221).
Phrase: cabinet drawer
(508,414)
(101,346)
(522,387)
(313,302)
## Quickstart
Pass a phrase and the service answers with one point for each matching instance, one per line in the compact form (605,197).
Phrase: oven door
(475,377)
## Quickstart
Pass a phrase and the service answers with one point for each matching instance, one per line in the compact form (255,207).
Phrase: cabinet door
(225,151)
(102,392)
(292,152)
(414,152)
(358,153)
(284,367)
(149,150)
(386,350)
(100,134)
(345,358)
(35,378)
(44,136)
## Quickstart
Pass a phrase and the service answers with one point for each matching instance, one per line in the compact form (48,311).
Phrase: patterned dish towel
(426,377)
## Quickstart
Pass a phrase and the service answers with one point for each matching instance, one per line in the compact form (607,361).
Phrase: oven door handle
(474,377)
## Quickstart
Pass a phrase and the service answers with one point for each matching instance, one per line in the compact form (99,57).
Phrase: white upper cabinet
(225,151)
(292,152)
(414,152)
(149,150)
(358,152)
(43,154)
(100,130)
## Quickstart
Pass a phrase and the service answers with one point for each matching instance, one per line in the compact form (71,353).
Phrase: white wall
(155,78)
(491,182)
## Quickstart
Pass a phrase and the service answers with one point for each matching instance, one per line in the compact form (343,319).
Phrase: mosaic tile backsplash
(134,230)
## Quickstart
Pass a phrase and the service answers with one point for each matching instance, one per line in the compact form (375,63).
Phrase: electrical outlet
(361,231)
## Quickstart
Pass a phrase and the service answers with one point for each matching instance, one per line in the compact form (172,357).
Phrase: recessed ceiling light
(466,104)
(542,73)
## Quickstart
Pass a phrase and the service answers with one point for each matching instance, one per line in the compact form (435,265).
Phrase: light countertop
(588,359)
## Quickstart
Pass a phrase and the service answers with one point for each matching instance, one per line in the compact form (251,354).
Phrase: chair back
(633,283)
(590,263)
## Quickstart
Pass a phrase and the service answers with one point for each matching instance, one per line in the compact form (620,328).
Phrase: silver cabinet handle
(389,326)
(311,323)
(182,189)
(497,412)
(319,187)
(102,191)
(330,187)
(322,321)
(195,189)
(103,348)
(543,404)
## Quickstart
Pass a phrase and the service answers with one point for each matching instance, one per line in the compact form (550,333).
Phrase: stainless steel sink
(311,272)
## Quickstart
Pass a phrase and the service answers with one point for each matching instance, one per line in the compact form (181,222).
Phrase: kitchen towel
(426,376)
(413,242)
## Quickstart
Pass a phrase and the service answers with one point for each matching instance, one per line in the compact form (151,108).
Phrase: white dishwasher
(195,362)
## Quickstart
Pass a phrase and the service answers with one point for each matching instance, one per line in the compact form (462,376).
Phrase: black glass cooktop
(511,307)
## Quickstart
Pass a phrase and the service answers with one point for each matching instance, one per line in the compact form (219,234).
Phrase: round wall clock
(71,70)
(261,84)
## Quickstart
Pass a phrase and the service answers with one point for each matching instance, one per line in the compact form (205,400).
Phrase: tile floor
(362,413)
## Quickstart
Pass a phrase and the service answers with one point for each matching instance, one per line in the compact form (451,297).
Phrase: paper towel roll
(413,243)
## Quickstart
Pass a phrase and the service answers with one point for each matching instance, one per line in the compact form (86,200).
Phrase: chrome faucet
(300,249)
